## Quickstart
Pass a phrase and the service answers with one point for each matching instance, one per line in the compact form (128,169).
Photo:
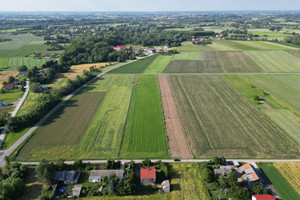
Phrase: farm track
(177,141)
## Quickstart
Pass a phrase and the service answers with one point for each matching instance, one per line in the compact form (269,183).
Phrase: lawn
(11,97)
(212,62)
(158,65)
(291,172)
(63,130)
(281,185)
(250,91)
(281,92)
(145,116)
(12,137)
(104,136)
(135,67)
(275,61)
(219,121)
(186,183)
(286,120)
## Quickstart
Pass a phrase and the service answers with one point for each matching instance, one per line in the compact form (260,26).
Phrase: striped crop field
(291,172)
(158,65)
(291,81)
(14,62)
(135,67)
(286,120)
(265,45)
(64,130)
(275,61)
(219,121)
(190,47)
(104,136)
(19,41)
(212,62)
(277,89)
(294,53)
(236,45)
(144,135)
(281,185)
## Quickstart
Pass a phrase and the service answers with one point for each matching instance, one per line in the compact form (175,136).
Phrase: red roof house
(263,197)
(17,82)
(148,175)
(8,86)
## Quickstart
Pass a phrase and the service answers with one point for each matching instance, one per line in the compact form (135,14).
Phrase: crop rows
(158,65)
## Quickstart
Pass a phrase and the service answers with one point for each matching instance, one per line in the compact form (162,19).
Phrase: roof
(98,174)
(17,82)
(120,46)
(264,197)
(166,185)
(67,176)
(77,190)
(8,85)
(247,168)
(252,177)
(148,172)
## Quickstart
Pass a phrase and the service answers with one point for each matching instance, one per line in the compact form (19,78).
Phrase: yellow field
(78,69)
(291,172)
(5,74)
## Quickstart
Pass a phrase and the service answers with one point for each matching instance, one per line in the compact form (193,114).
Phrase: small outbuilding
(76,191)
(222,171)
(148,175)
(236,163)
(97,175)
(166,186)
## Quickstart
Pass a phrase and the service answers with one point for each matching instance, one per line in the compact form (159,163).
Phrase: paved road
(14,113)
(11,149)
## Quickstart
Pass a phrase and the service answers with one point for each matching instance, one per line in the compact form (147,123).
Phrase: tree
(215,160)
(112,186)
(11,79)
(78,164)
(222,160)
(22,68)
(232,178)
(207,175)
(146,163)
(45,171)
(258,189)
(222,182)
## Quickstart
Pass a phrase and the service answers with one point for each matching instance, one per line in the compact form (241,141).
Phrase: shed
(97,175)
(166,186)
(68,177)
(76,191)
(24,73)
(148,175)
(236,163)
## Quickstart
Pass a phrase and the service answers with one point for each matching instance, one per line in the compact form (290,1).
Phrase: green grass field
(286,120)
(264,45)
(144,135)
(212,62)
(12,137)
(219,121)
(14,62)
(235,45)
(63,130)
(19,41)
(294,53)
(189,47)
(291,81)
(269,34)
(158,65)
(249,91)
(22,51)
(136,67)
(284,189)
(275,61)
(104,136)
(281,92)
(10,97)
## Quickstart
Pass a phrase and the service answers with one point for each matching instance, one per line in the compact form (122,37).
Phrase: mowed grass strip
(275,61)
(67,126)
(236,45)
(250,92)
(189,47)
(281,185)
(291,172)
(135,67)
(158,65)
(219,121)
(291,81)
(286,96)
(264,45)
(144,135)
(15,62)
(212,62)
(286,120)
(104,136)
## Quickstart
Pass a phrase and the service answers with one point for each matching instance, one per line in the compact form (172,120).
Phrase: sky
(147,5)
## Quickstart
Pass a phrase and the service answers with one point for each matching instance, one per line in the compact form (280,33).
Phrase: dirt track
(177,143)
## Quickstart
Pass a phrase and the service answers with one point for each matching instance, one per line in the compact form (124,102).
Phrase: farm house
(148,175)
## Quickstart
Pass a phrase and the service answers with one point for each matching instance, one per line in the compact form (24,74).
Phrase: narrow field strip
(275,61)
(104,136)
(219,121)
(291,81)
(158,65)
(236,45)
(66,127)
(144,135)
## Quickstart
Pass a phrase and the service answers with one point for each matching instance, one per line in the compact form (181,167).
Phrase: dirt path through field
(177,142)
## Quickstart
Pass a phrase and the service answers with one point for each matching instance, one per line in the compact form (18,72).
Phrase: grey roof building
(97,175)
(68,177)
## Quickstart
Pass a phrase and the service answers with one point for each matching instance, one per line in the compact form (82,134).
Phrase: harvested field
(145,116)
(158,65)
(4,75)
(104,136)
(212,62)
(286,120)
(219,121)
(177,142)
(135,67)
(281,185)
(275,61)
(66,127)
(291,172)
(282,93)
(78,69)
